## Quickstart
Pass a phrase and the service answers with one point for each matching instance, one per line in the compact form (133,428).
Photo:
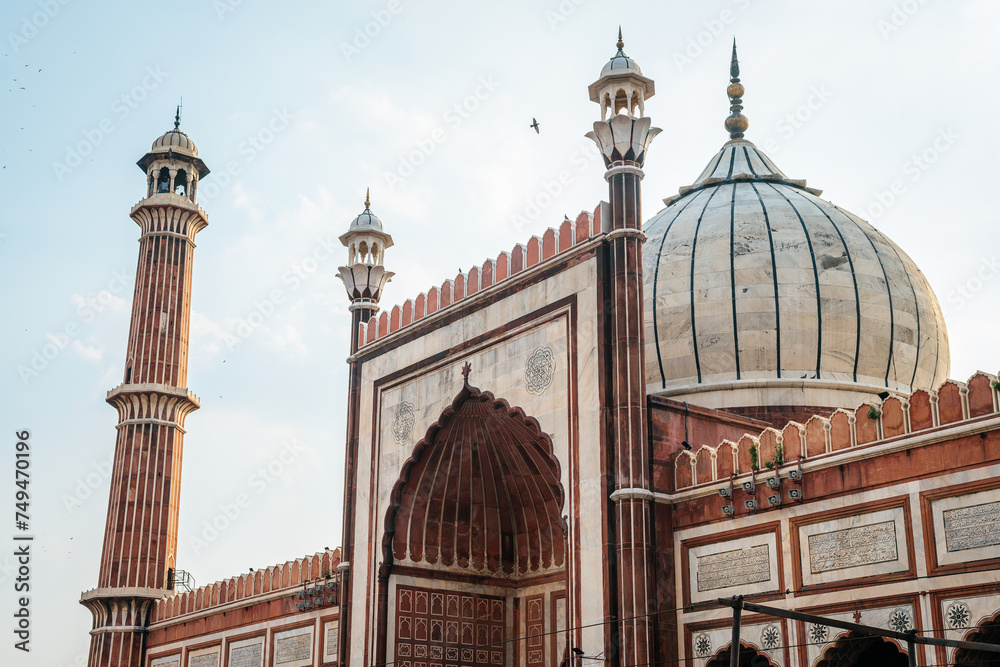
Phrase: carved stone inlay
(770,636)
(853,547)
(899,620)
(251,655)
(703,645)
(402,423)
(734,568)
(972,527)
(291,649)
(958,615)
(539,369)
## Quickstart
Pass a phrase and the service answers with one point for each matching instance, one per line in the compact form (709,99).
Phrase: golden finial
(367,198)
(736,123)
(621,44)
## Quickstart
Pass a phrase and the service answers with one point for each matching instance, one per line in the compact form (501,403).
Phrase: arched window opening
(163,181)
(363,253)
(375,258)
(621,101)
(606,107)
(987,632)
(180,183)
(748,657)
(636,105)
(856,650)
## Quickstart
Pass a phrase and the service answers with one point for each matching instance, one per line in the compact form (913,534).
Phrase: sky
(298,107)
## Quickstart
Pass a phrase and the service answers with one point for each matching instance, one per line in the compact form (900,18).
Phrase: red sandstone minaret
(623,134)
(140,539)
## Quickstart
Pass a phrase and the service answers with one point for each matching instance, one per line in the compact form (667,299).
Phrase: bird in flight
(534,124)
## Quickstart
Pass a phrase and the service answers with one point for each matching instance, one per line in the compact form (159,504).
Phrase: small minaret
(364,276)
(140,538)
(623,135)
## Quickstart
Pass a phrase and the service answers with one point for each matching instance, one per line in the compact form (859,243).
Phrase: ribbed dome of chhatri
(761,293)
(175,140)
(621,63)
(366,220)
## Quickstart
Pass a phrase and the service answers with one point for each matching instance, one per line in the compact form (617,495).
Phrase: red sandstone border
(479,278)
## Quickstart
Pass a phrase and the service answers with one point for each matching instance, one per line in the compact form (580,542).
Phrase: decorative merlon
(539,249)
(871,423)
(249,587)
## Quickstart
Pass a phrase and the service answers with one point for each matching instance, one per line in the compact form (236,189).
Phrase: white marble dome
(175,141)
(760,293)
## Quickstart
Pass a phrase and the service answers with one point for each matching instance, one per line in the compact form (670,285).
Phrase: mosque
(571,452)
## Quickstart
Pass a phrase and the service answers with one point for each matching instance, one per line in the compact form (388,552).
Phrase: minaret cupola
(172,165)
(364,275)
(621,88)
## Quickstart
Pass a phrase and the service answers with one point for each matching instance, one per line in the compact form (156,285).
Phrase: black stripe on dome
(732,276)
(656,285)
(888,291)
(819,301)
(916,304)
(774,278)
(746,155)
(732,162)
(694,248)
(854,279)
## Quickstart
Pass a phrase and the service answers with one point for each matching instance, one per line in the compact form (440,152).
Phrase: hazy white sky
(889,107)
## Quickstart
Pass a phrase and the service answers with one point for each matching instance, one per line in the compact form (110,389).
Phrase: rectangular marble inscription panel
(251,655)
(290,649)
(734,568)
(171,661)
(206,660)
(332,640)
(972,527)
(853,547)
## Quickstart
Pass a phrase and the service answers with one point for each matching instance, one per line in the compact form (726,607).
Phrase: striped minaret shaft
(623,139)
(140,537)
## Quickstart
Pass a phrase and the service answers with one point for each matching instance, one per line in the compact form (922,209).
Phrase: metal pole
(911,647)
(734,650)
(856,627)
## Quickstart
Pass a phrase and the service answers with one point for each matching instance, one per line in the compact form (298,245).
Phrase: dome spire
(368,202)
(177,116)
(620,44)
(736,124)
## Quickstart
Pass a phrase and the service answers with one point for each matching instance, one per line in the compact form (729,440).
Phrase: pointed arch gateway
(478,502)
